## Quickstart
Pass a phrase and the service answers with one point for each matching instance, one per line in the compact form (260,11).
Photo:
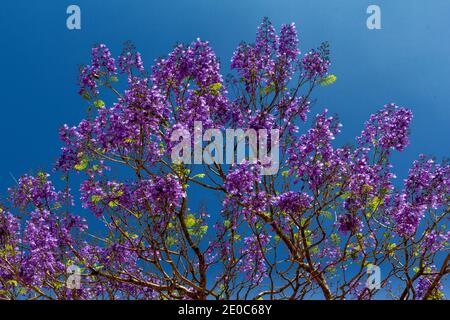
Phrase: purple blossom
(312,155)
(288,48)
(242,178)
(293,202)
(435,240)
(428,183)
(103,66)
(406,216)
(423,286)
(270,58)
(36,191)
(253,263)
(314,65)
(348,223)
(129,59)
(388,128)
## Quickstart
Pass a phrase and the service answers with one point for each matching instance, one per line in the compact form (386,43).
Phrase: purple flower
(293,202)
(129,59)
(103,66)
(288,48)
(406,216)
(314,65)
(270,59)
(253,263)
(242,178)
(423,286)
(388,128)
(348,223)
(428,183)
(435,240)
(312,156)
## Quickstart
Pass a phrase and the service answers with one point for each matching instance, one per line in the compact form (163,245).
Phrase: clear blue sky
(407,62)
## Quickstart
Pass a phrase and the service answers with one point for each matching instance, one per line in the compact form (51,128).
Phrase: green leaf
(335,239)
(190,220)
(391,248)
(346,195)
(86,95)
(112,204)
(215,87)
(98,267)
(200,176)
(203,229)
(82,164)
(12,282)
(58,285)
(303,222)
(327,214)
(328,80)
(113,79)
(99,104)
(118,193)
(268,89)
(171,241)
(129,140)
(22,291)
(96,198)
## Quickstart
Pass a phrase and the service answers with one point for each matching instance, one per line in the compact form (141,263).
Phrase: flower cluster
(348,223)
(253,264)
(129,59)
(31,190)
(388,128)
(293,202)
(192,75)
(103,66)
(242,178)
(270,59)
(312,156)
(315,65)
(435,240)
(163,194)
(424,285)
(406,216)
(428,183)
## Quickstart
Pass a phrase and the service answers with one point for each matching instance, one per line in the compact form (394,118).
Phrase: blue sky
(406,62)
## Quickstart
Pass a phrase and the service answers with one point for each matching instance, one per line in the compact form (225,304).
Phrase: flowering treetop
(308,231)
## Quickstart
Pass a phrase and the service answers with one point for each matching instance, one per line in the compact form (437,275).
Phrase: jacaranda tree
(310,231)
